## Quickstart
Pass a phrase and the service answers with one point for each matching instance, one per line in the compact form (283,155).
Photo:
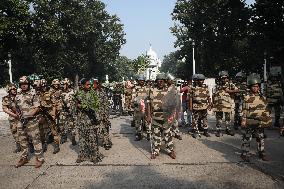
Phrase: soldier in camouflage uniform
(199,103)
(67,115)
(128,97)
(171,86)
(255,117)
(139,114)
(274,96)
(242,86)
(56,95)
(87,103)
(222,102)
(7,106)
(103,112)
(47,116)
(160,125)
(28,104)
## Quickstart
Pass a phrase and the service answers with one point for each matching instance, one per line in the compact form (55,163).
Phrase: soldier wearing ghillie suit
(67,115)
(199,103)
(274,96)
(28,104)
(171,86)
(87,103)
(47,116)
(139,108)
(160,121)
(128,97)
(103,112)
(242,86)
(255,117)
(222,102)
(8,107)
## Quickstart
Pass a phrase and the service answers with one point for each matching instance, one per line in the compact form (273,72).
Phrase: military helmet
(66,81)
(37,83)
(10,86)
(141,78)
(253,79)
(170,76)
(43,82)
(240,74)
(223,74)
(160,76)
(55,82)
(24,79)
(194,77)
(200,77)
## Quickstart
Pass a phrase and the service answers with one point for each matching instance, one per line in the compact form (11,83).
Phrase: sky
(145,22)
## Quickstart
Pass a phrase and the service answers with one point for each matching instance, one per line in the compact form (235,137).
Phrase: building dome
(154,59)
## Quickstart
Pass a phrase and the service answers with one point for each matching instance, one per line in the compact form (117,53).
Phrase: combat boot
(38,163)
(148,136)
(218,133)
(172,154)
(107,146)
(18,148)
(178,137)
(263,157)
(138,137)
(245,158)
(205,133)
(132,123)
(31,148)
(56,148)
(230,132)
(153,156)
(194,134)
(22,162)
(73,140)
(44,147)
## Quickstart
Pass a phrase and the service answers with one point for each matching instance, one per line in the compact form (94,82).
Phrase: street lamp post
(10,67)
(193,59)
(265,67)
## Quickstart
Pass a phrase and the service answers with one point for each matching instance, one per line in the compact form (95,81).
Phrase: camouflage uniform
(26,101)
(200,103)
(139,115)
(128,99)
(222,103)
(238,102)
(8,102)
(257,117)
(104,118)
(274,96)
(67,115)
(160,126)
(88,127)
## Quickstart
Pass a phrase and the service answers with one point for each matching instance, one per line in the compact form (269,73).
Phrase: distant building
(155,63)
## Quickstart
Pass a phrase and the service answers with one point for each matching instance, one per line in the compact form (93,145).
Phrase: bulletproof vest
(200,97)
(255,111)
(157,98)
(222,99)
(141,91)
(274,92)
(128,92)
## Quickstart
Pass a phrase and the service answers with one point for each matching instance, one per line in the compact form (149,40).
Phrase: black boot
(31,148)
(56,148)
(230,132)
(148,136)
(18,148)
(206,133)
(132,123)
(218,133)
(138,137)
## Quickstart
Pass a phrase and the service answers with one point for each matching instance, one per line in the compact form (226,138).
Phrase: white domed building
(155,63)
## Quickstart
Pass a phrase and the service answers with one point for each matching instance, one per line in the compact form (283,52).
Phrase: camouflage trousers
(45,127)
(219,117)
(162,132)
(174,129)
(66,123)
(199,116)
(277,110)
(105,126)
(139,121)
(247,137)
(237,116)
(14,130)
(30,130)
(128,104)
(88,139)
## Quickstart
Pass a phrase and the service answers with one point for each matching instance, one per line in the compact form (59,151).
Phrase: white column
(193,59)
(10,68)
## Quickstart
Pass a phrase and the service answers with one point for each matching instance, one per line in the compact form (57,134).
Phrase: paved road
(203,163)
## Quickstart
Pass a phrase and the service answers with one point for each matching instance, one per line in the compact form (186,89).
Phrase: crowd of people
(40,114)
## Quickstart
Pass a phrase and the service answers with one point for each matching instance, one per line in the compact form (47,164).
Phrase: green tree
(140,64)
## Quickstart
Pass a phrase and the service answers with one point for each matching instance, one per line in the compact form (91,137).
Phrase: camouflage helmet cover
(37,83)
(10,86)
(55,82)
(24,79)
(66,81)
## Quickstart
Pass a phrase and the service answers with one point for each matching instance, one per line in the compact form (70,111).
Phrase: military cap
(223,74)
(10,86)
(253,79)
(55,82)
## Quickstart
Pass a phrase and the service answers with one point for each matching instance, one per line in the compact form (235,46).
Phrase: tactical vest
(255,111)
(274,93)
(199,97)
(222,100)
(45,100)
